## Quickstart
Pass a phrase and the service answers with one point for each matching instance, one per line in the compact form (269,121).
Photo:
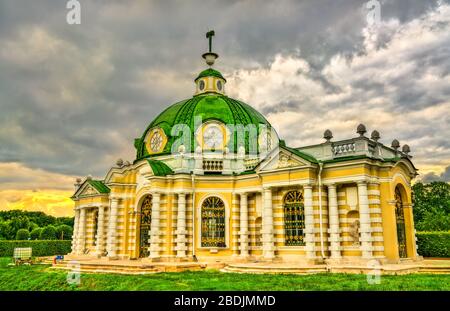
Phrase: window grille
(294,218)
(145,222)
(213,223)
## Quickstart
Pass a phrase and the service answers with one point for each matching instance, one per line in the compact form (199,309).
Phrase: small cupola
(210,80)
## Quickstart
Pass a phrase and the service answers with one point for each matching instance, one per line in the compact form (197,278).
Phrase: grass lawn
(41,277)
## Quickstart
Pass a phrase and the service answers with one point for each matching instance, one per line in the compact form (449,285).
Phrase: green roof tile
(210,73)
(99,186)
(159,168)
(210,107)
(301,154)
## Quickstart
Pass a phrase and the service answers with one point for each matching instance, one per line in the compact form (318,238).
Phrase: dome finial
(210,56)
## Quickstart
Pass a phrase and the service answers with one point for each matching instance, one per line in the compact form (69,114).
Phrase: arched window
(294,218)
(145,222)
(213,222)
(400,221)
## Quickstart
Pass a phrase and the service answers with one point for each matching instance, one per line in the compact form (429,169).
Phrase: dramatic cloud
(398,83)
(444,176)
(73,98)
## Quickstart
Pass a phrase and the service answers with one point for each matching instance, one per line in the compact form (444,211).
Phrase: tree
(32,225)
(13,220)
(432,206)
(4,230)
(7,232)
(65,221)
(35,233)
(64,232)
(22,234)
(21,222)
(48,233)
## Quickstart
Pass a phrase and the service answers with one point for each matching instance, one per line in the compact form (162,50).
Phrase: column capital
(362,182)
(267,188)
(308,186)
(330,185)
(114,198)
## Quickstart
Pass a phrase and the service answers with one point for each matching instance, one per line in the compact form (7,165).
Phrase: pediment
(281,159)
(88,190)
(91,188)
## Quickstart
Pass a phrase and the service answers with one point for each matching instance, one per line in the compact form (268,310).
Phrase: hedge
(433,244)
(40,248)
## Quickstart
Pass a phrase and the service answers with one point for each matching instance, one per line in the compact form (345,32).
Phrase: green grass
(41,277)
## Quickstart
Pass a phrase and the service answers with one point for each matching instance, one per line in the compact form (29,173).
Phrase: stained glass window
(294,218)
(213,223)
(145,222)
(400,220)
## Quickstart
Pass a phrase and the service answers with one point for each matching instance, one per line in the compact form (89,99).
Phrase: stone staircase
(275,269)
(92,265)
(111,267)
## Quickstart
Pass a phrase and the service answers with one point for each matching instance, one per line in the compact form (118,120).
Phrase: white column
(112,227)
(154,231)
(334,230)
(81,241)
(100,245)
(309,223)
(267,226)
(243,226)
(364,219)
(75,231)
(181,226)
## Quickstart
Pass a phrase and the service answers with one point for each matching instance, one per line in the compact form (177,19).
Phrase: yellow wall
(382,178)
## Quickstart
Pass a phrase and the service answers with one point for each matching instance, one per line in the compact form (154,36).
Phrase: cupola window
(201,85)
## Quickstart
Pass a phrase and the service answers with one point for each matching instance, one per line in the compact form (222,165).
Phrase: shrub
(64,232)
(433,244)
(35,233)
(40,248)
(22,234)
(48,233)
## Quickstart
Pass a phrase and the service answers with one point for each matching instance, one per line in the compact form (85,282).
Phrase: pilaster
(181,232)
(364,219)
(155,227)
(334,230)
(309,223)
(243,232)
(267,226)
(112,228)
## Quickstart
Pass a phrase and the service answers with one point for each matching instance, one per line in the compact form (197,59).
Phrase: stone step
(127,269)
(274,270)
(437,270)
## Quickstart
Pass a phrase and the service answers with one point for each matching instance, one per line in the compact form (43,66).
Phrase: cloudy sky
(74,97)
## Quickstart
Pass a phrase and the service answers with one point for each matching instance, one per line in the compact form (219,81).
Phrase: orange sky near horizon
(52,202)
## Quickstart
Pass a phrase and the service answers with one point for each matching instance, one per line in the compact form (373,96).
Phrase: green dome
(210,107)
(210,73)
